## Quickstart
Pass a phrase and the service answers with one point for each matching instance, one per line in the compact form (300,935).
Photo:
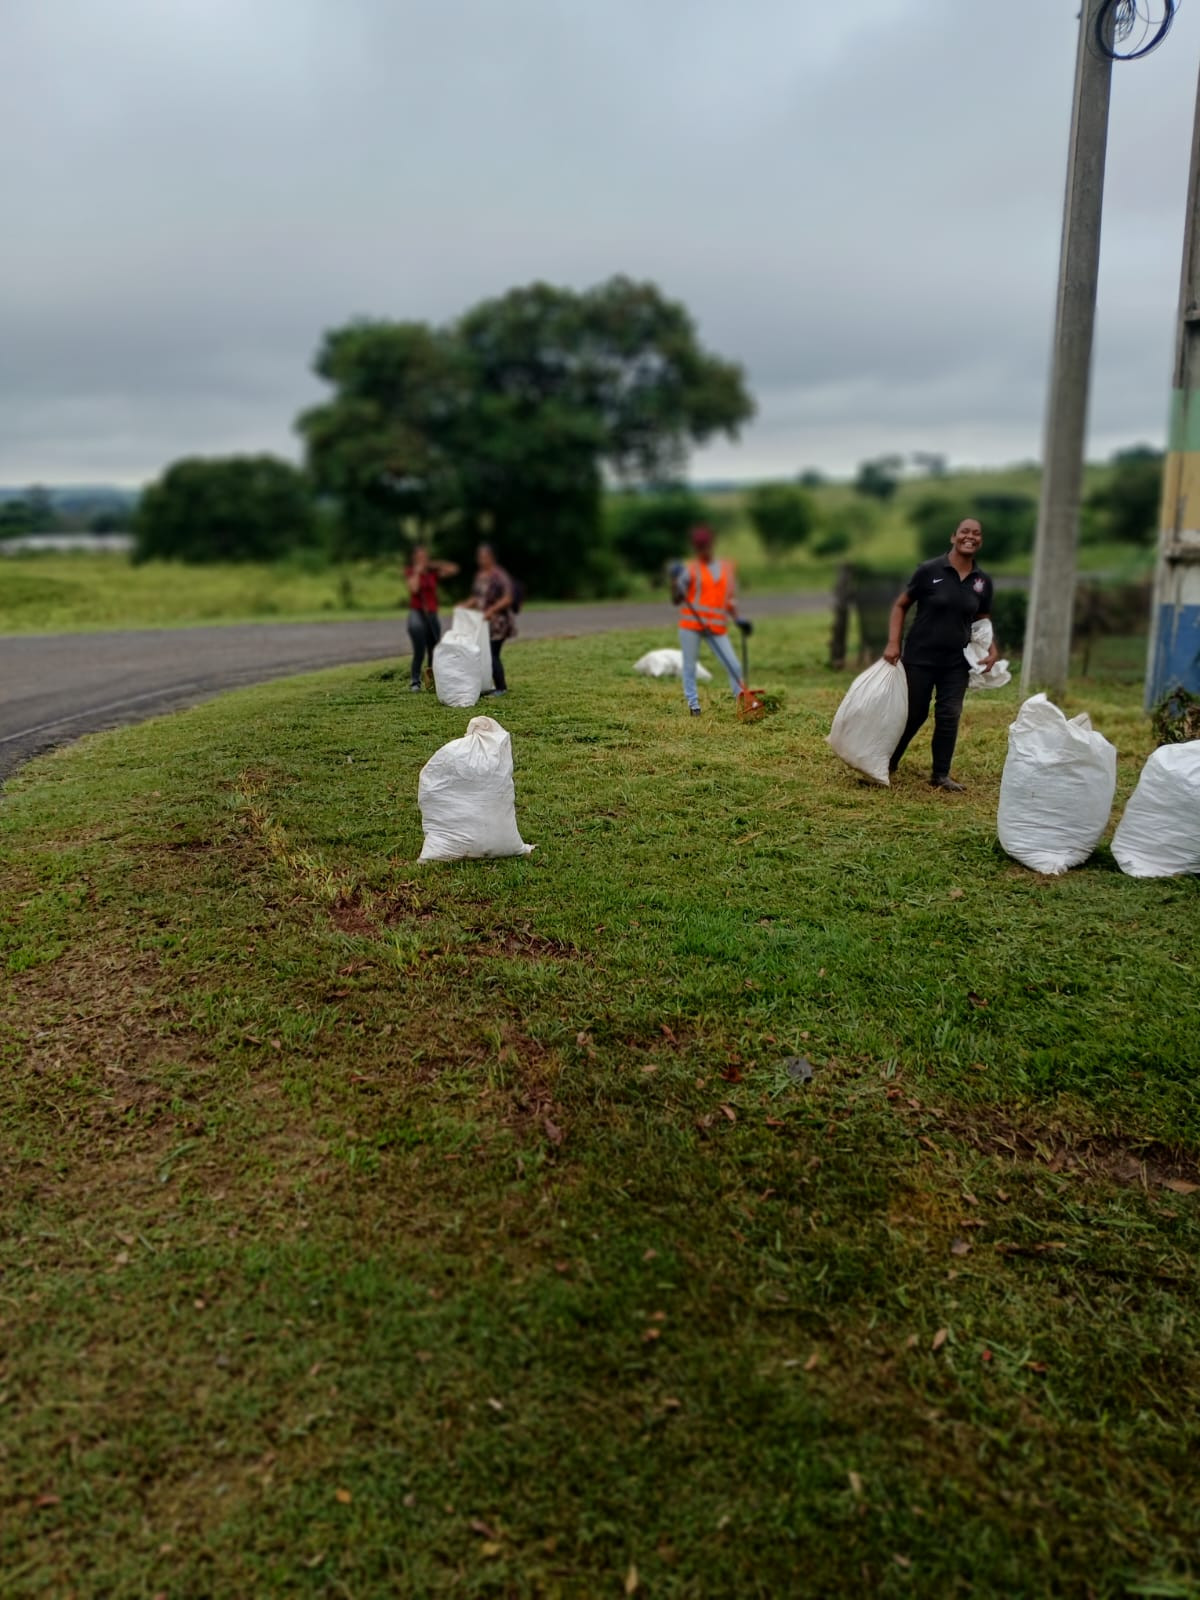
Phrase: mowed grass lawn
(376,1229)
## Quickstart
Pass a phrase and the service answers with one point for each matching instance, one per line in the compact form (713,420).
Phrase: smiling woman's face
(968,537)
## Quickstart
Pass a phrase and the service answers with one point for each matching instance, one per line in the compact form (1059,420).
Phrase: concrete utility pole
(1047,656)
(1174,658)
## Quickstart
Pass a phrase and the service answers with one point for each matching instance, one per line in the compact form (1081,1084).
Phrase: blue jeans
(689,643)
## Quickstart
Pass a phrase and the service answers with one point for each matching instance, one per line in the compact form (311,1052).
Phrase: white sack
(475,626)
(457,670)
(1057,789)
(667,664)
(870,720)
(467,800)
(1159,835)
(976,653)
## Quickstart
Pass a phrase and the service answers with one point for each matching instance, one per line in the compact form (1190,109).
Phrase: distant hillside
(77,496)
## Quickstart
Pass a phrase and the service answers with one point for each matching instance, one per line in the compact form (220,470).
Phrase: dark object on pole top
(1127,30)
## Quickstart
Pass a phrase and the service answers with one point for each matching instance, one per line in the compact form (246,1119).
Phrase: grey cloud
(863,206)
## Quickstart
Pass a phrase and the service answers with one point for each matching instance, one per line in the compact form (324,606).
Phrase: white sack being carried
(976,653)
(475,626)
(1057,789)
(467,800)
(870,720)
(667,664)
(1159,835)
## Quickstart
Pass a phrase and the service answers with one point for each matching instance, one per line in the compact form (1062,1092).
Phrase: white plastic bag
(870,720)
(467,799)
(976,653)
(1057,789)
(475,626)
(1159,835)
(667,664)
(457,670)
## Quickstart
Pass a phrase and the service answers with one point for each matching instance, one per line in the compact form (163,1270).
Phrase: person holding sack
(704,590)
(950,593)
(424,624)
(493,593)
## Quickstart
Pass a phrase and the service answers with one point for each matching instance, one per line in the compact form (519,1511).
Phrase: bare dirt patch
(1125,1161)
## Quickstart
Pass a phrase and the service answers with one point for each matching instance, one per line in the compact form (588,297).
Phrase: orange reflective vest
(706,596)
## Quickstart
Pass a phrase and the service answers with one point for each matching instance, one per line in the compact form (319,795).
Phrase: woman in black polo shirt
(951,592)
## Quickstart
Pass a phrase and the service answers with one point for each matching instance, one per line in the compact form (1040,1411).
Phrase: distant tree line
(38,510)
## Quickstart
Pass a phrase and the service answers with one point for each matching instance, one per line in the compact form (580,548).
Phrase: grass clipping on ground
(766,1188)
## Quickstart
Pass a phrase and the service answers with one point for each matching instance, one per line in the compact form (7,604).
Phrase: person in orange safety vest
(704,590)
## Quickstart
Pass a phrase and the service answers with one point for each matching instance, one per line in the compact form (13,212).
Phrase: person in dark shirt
(951,592)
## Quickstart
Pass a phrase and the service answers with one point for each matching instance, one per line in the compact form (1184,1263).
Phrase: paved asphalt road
(54,687)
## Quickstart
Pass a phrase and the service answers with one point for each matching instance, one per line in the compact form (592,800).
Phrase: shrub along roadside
(476,1230)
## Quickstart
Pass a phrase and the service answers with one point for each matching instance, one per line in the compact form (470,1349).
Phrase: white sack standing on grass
(976,653)
(870,720)
(467,798)
(474,625)
(667,664)
(1159,835)
(1057,789)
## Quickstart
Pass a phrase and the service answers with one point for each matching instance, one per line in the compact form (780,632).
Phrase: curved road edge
(54,688)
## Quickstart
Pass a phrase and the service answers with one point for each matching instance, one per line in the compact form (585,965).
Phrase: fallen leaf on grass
(649,1254)
(856,1485)
(315,1561)
(496,1405)
(553,1132)
(1180,1186)
(902,1561)
(632,1580)
(490,1548)
(668,1035)
(731,1073)
(960,1247)
(940,1338)
(44,1501)
(651,1334)
(483,1529)
(957,894)
(729,1113)
(977,1001)
(813,1362)
(1037,1366)
(342,1496)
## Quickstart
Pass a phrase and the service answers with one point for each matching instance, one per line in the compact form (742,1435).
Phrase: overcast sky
(859,201)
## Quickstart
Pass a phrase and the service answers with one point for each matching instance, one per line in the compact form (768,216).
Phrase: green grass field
(377,1229)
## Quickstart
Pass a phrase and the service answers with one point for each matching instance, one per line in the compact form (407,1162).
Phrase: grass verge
(479,1230)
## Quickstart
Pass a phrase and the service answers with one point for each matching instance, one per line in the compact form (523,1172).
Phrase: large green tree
(235,508)
(504,424)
